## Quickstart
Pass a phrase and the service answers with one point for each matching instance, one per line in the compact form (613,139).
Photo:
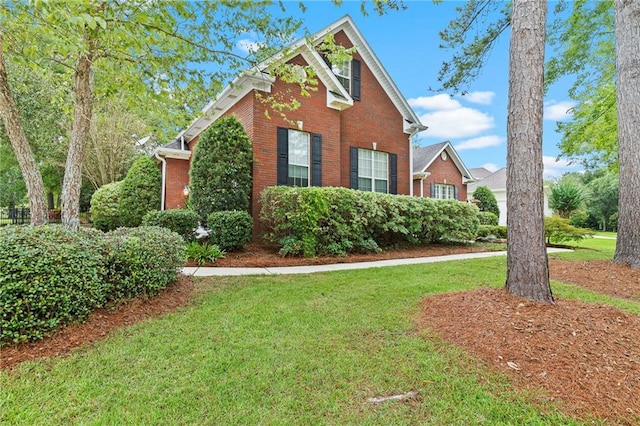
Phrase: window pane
(364,184)
(298,175)
(298,148)
(365,168)
(381,186)
(381,168)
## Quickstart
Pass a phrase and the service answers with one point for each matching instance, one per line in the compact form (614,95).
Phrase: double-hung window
(342,71)
(444,191)
(373,171)
(298,158)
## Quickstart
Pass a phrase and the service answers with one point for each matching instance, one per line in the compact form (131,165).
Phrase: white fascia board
(173,153)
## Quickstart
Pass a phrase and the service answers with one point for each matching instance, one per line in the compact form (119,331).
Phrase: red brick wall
(176,178)
(373,119)
(442,171)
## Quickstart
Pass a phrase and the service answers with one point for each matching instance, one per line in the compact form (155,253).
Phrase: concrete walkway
(222,272)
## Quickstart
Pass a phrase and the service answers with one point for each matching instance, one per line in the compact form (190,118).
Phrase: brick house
(354,131)
(438,172)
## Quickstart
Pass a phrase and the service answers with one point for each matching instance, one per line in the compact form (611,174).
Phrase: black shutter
(393,173)
(355,79)
(455,192)
(316,160)
(283,156)
(432,194)
(354,168)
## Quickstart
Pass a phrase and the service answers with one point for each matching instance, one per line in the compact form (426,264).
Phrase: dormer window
(342,70)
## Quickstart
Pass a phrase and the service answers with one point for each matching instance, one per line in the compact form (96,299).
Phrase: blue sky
(406,42)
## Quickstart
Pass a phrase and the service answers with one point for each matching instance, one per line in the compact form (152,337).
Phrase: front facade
(354,131)
(438,172)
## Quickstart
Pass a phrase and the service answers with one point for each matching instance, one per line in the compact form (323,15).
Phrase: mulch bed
(585,356)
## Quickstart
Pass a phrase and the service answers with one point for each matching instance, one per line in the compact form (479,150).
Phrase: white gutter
(164,179)
(182,142)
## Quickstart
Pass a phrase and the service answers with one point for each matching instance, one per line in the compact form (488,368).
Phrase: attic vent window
(342,70)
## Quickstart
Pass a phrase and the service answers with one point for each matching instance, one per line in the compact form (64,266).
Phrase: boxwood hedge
(319,221)
(50,276)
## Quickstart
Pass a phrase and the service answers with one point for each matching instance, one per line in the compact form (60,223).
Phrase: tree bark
(527,263)
(627,29)
(21,148)
(81,127)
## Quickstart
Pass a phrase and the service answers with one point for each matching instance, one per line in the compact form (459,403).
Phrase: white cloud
(480,142)
(555,167)
(492,167)
(437,102)
(482,98)
(558,111)
(248,46)
(456,123)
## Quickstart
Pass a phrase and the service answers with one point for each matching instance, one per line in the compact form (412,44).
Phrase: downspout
(182,142)
(164,178)
(410,166)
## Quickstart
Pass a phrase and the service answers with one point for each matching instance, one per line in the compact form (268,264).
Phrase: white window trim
(336,71)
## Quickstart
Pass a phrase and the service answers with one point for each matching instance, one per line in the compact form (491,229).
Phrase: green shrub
(202,254)
(558,230)
(220,175)
(487,200)
(181,221)
(48,277)
(320,221)
(142,261)
(495,231)
(230,230)
(488,218)
(104,206)
(140,192)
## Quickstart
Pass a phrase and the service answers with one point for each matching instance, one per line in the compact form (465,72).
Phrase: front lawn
(284,350)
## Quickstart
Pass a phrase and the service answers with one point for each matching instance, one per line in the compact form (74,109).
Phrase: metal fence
(15,216)
(22,215)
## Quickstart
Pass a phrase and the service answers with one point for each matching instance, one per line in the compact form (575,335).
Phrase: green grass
(591,249)
(294,350)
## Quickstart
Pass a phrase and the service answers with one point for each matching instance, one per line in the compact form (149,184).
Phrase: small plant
(488,218)
(202,254)
(558,230)
(230,230)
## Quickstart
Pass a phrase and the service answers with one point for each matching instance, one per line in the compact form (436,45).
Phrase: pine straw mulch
(585,356)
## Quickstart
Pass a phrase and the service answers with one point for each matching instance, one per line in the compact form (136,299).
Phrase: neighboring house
(354,131)
(497,183)
(438,172)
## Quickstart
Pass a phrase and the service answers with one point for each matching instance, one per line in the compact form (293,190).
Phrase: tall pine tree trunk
(628,102)
(527,264)
(24,155)
(72,182)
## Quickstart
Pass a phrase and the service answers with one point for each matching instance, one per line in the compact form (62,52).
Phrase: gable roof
(480,172)
(424,156)
(496,181)
(338,97)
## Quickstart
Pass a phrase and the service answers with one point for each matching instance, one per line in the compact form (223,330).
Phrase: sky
(406,42)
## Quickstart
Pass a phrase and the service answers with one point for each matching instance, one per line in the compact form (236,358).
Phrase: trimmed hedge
(140,191)
(50,276)
(230,230)
(321,221)
(497,231)
(488,218)
(104,207)
(181,221)
(142,261)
